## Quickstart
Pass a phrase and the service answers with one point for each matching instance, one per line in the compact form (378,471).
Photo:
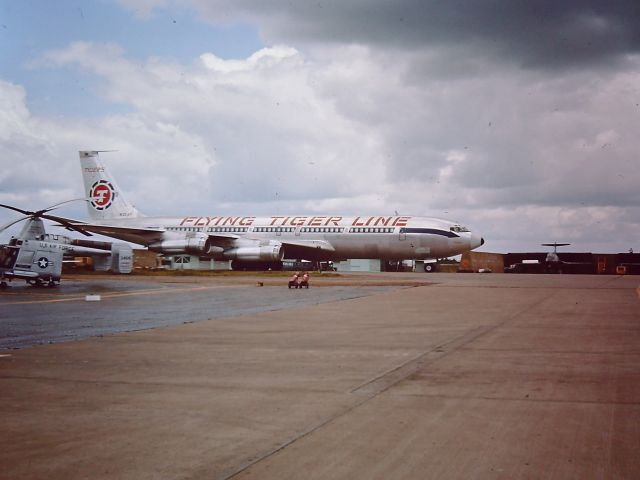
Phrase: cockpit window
(459,228)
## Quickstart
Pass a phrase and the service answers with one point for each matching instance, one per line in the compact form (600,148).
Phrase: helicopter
(37,257)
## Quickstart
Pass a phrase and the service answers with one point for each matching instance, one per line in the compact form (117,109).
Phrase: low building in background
(481,262)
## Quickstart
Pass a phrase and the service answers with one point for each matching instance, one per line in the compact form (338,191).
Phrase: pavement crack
(391,377)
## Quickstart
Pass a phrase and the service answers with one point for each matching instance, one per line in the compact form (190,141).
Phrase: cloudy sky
(518,118)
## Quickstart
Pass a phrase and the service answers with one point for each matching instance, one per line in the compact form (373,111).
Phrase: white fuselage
(338,237)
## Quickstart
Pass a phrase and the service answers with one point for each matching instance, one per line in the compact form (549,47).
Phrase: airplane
(552,257)
(37,257)
(551,263)
(250,239)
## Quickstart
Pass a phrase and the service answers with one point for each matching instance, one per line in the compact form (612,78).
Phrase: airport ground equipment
(293,281)
(299,281)
(304,281)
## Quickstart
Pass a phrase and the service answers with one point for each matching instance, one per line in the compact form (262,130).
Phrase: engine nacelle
(259,253)
(196,244)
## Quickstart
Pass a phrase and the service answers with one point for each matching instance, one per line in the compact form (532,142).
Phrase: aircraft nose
(475,241)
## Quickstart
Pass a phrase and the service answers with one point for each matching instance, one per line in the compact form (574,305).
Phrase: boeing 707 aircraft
(265,238)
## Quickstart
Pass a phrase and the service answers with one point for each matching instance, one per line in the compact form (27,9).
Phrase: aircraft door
(8,256)
(25,258)
(402,235)
(278,231)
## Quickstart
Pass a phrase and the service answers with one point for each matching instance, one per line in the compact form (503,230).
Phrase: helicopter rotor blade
(4,227)
(42,214)
(16,209)
(59,204)
(65,223)
(39,213)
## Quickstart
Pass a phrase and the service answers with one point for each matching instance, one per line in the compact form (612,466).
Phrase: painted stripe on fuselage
(431,231)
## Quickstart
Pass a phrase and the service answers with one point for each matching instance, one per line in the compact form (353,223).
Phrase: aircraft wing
(313,245)
(140,235)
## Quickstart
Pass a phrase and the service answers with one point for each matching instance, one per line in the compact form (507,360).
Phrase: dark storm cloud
(536,34)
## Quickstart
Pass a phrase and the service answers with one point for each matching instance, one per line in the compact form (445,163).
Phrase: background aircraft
(552,257)
(552,263)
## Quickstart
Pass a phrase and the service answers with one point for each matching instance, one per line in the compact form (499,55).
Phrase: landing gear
(43,282)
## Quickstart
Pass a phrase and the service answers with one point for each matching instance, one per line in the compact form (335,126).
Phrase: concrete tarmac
(33,316)
(473,376)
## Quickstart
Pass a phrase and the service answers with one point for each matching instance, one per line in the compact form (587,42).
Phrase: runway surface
(33,316)
(474,376)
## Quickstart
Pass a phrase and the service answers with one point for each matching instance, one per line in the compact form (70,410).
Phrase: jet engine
(196,244)
(273,252)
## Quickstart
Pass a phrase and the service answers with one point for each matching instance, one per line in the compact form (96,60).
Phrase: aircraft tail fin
(106,201)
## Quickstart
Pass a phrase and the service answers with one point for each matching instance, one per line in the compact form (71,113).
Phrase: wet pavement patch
(31,316)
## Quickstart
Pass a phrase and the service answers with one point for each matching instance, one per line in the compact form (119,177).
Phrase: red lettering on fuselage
(296,221)
(382,221)
(401,221)
(230,220)
(203,221)
(187,220)
(394,221)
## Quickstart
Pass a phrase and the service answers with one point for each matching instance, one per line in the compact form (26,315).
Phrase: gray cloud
(531,33)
